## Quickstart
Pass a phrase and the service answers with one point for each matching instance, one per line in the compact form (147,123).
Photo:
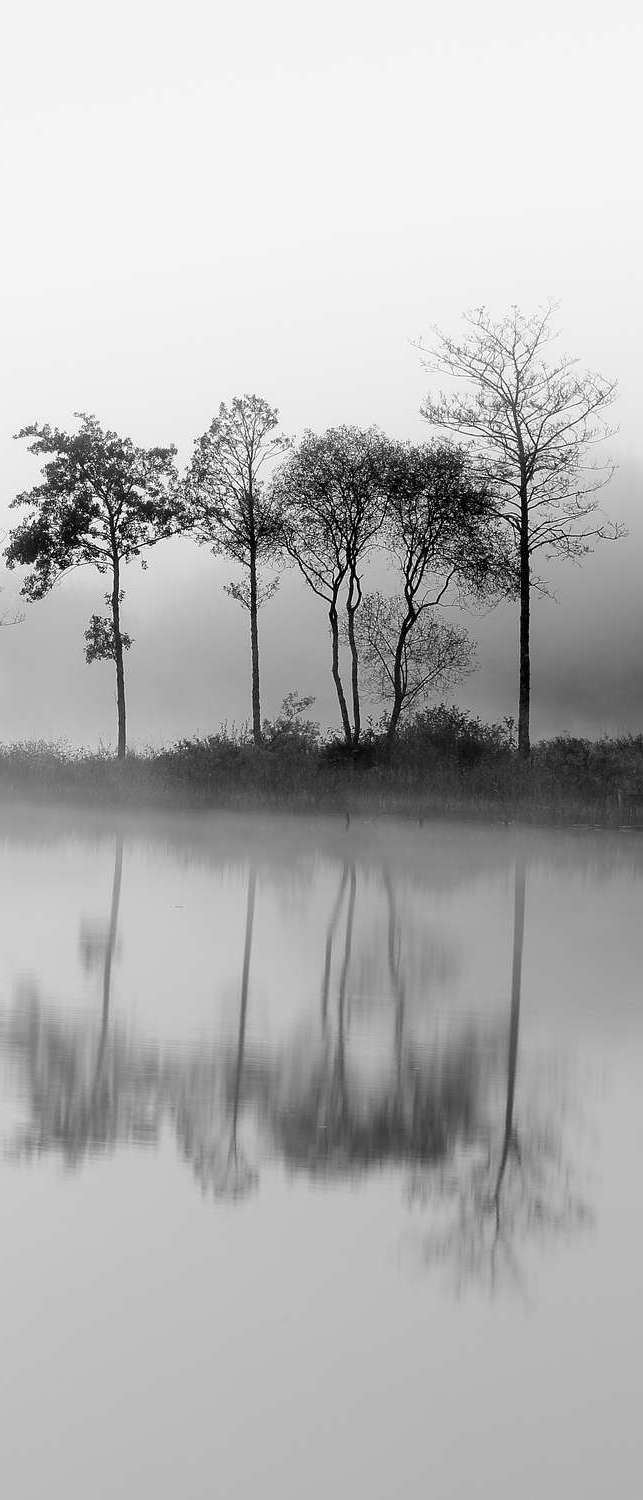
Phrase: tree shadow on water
(327,1119)
(511,1188)
(84,1094)
(213,1097)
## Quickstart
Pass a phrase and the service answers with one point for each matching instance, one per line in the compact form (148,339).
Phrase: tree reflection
(82,1097)
(492,1199)
(455,1111)
(398,988)
(328,954)
(200,1126)
(328,1119)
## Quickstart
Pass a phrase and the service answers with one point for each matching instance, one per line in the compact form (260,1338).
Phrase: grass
(445,762)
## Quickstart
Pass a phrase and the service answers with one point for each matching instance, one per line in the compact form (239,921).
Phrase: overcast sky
(202,200)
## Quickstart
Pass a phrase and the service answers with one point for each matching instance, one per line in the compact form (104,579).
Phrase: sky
(205,200)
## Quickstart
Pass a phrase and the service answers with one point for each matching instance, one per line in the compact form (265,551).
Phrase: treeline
(460,517)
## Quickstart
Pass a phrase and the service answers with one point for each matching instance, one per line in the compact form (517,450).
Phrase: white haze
(207,200)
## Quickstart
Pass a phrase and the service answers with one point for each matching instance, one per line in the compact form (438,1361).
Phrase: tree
(534,424)
(332,491)
(404,666)
(102,502)
(231,510)
(441,529)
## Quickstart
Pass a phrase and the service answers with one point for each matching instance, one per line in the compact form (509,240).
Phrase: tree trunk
(334,633)
(350,612)
(524,745)
(254,650)
(118,658)
(398,677)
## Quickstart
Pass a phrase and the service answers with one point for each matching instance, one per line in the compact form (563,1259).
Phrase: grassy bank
(445,762)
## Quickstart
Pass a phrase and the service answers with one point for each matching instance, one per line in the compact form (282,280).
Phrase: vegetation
(440,531)
(443,761)
(404,668)
(102,503)
(533,427)
(228,507)
(459,521)
(333,491)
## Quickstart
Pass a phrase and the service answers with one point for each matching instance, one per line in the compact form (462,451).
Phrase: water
(321,1153)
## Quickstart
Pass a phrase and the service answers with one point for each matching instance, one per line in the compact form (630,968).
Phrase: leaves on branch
(101,503)
(100,637)
(228,505)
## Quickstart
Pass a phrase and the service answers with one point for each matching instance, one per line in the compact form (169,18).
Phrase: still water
(321,1160)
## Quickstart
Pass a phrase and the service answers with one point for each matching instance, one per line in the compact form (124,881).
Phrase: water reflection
(201,1122)
(373,1082)
(511,1186)
(330,938)
(83,1095)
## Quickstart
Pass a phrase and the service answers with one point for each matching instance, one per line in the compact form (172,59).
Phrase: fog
(275,202)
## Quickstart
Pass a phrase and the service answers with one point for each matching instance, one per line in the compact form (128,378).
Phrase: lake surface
(321,1159)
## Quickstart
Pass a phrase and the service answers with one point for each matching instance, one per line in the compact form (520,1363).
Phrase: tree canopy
(333,493)
(533,426)
(230,508)
(102,502)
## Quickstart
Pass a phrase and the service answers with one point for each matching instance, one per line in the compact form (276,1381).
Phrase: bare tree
(535,425)
(230,508)
(333,493)
(404,666)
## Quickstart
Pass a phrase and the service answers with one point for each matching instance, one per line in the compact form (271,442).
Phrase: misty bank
(446,763)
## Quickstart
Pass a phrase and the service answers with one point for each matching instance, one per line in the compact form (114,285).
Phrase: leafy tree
(332,491)
(230,508)
(442,531)
(404,666)
(290,730)
(101,503)
(535,425)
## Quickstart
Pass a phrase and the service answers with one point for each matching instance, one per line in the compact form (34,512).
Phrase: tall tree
(232,510)
(441,529)
(535,424)
(102,502)
(332,491)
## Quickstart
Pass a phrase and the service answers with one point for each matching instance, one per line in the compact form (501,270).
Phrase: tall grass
(445,761)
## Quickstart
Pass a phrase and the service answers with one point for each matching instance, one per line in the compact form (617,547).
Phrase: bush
(451,734)
(290,731)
